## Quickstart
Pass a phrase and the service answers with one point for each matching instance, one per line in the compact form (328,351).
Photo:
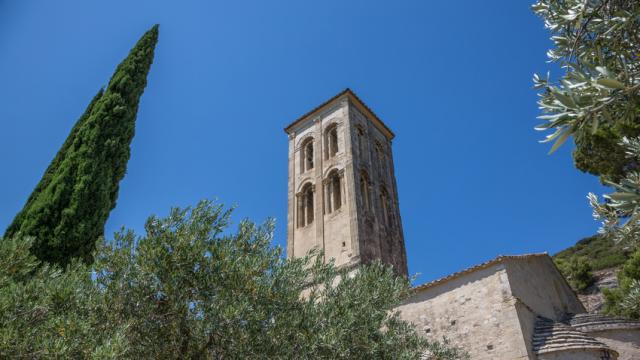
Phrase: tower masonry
(342,194)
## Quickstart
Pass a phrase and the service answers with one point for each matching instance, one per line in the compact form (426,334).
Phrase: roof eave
(355,100)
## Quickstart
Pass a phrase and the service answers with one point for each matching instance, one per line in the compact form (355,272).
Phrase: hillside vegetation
(595,253)
(600,251)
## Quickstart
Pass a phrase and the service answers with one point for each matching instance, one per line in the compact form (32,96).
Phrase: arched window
(364,190)
(337,192)
(382,158)
(333,191)
(306,162)
(331,141)
(361,141)
(386,206)
(305,206)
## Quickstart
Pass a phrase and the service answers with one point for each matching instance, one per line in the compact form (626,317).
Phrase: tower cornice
(356,101)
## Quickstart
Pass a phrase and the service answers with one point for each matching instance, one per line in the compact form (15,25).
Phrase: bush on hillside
(578,272)
(599,250)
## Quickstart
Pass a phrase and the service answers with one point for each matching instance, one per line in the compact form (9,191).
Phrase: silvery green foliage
(620,216)
(631,302)
(47,313)
(444,350)
(597,43)
(190,289)
(620,212)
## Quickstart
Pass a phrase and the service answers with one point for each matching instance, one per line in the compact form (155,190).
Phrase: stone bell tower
(343,196)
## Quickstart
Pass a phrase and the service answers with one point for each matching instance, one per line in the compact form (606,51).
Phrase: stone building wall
(527,320)
(367,225)
(380,235)
(476,312)
(626,342)
(537,282)
(336,224)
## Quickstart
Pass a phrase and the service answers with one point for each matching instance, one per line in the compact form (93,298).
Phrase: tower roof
(348,93)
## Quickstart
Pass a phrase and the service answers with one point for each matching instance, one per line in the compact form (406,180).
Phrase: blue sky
(451,78)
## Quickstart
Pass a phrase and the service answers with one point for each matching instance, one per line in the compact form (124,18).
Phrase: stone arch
(331,140)
(361,140)
(334,190)
(307,154)
(381,158)
(305,205)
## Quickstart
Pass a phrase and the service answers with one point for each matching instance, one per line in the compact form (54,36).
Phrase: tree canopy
(189,288)
(597,101)
(69,207)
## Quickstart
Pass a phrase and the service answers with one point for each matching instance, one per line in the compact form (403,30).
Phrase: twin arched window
(333,197)
(305,206)
(306,162)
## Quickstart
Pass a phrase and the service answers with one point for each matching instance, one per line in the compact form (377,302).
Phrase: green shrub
(190,289)
(578,272)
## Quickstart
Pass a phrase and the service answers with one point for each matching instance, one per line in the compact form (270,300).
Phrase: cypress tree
(69,207)
(53,167)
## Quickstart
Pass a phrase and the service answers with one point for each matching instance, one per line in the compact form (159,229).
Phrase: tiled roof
(484,265)
(551,336)
(352,95)
(597,322)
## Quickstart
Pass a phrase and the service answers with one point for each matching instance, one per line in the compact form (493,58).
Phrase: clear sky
(451,78)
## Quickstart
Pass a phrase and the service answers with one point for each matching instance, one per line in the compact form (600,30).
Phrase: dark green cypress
(68,209)
(53,167)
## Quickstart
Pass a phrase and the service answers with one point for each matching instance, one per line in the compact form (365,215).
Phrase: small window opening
(331,141)
(333,192)
(364,191)
(384,202)
(306,162)
(382,159)
(361,140)
(309,156)
(337,196)
(305,206)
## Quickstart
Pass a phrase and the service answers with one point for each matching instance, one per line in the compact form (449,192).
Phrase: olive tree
(190,288)
(597,102)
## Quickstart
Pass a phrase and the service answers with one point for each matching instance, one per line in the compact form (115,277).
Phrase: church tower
(343,196)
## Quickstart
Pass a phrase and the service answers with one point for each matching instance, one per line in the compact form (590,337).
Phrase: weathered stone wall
(539,285)
(476,312)
(378,238)
(527,321)
(358,231)
(330,232)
